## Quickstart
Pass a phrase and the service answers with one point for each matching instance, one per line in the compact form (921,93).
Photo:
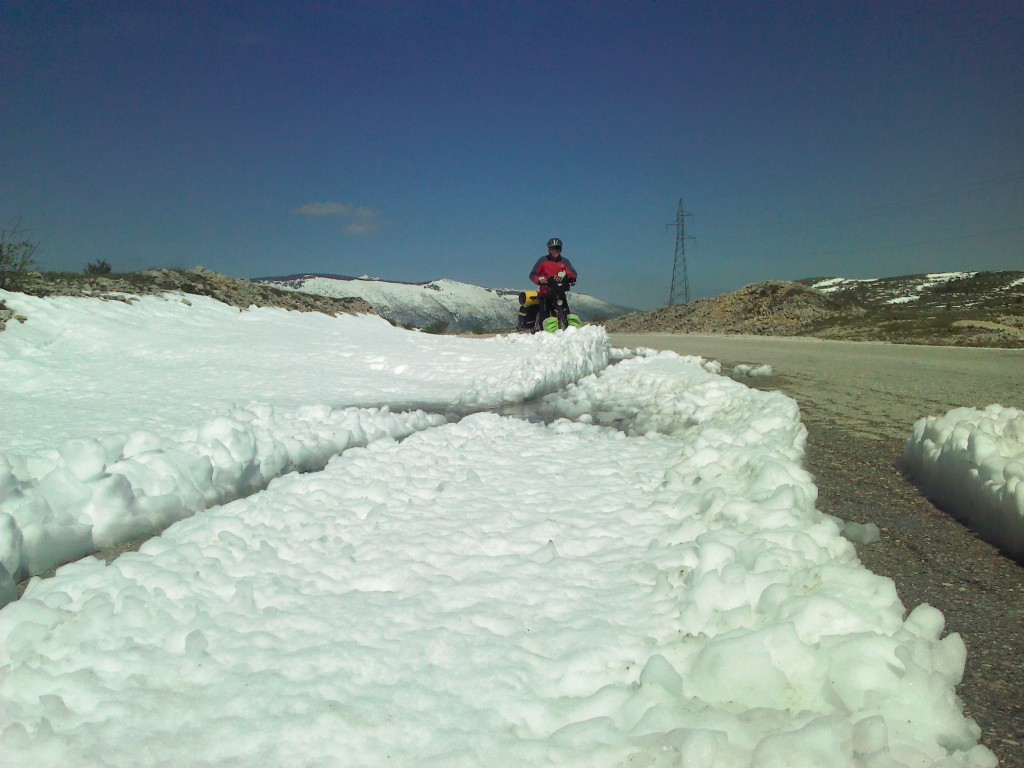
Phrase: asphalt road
(859,401)
(871,388)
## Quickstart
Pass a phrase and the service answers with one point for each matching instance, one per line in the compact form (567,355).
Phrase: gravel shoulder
(859,401)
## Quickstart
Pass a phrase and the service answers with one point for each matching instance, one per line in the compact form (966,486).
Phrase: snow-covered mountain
(441,305)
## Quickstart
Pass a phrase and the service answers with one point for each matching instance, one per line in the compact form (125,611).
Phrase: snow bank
(971,462)
(644,580)
(96,493)
(552,362)
(120,418)
(84,368)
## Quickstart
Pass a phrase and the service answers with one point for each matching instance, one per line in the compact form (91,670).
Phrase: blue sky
(420,140)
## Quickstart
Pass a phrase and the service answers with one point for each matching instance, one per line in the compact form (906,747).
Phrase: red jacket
(549,268)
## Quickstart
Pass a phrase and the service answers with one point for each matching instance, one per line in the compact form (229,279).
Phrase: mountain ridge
(441,304)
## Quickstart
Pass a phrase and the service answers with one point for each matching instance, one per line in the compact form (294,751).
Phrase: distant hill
(199,281)
(956,308)
(443,305)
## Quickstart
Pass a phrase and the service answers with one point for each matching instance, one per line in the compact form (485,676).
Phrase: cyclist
(553,268)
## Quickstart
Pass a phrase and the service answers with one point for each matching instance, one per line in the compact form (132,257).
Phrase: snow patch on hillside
(835,283)
(938,278)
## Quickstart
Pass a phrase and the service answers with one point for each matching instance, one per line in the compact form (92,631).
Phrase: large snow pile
(971,462)
(636,574)
(119,419)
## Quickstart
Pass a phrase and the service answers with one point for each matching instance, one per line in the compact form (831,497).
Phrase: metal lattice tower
(680,275)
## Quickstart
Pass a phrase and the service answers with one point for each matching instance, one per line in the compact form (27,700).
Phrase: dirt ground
(859,401)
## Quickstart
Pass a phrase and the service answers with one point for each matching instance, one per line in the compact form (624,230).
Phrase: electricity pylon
(680,275)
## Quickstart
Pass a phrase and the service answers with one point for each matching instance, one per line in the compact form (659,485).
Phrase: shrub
(98,267)
(17,253)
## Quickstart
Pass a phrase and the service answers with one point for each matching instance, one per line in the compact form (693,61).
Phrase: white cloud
(358,220)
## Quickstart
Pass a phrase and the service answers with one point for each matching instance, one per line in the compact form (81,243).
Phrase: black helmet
(554,242)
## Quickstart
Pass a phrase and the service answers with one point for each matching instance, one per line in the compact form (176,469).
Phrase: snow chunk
(745,369)
(971,462)
(862,533)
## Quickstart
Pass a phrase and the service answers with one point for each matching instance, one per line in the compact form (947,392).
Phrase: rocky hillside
(955,308)
(772,308)
(198,281)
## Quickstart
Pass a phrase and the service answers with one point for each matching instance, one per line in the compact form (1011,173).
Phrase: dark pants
(546,307)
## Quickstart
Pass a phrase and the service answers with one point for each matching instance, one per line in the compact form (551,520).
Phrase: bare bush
(17,253)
